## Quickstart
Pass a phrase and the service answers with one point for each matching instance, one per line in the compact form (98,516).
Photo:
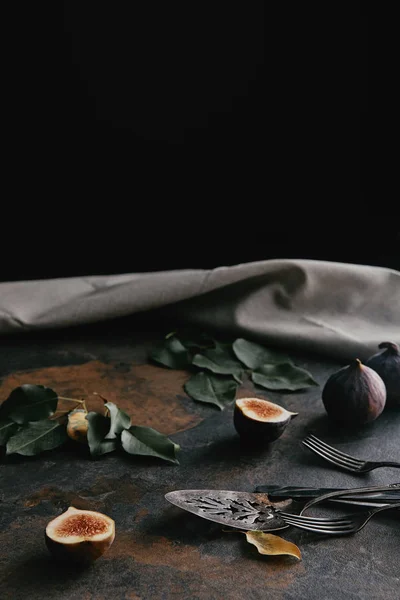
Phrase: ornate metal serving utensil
(251,511)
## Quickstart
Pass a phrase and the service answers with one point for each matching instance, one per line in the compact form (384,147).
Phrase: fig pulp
(354,395)
(387,365)
(80,535)
(260,421)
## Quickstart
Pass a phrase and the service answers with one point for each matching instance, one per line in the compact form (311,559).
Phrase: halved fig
(260,421)
(78,424)
(80,535)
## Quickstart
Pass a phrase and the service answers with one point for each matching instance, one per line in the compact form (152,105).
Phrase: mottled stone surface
(160,551)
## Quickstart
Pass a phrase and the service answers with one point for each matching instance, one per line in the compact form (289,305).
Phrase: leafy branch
(30,424)
(218,368)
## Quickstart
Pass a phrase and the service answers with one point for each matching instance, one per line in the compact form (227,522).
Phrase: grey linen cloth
(337,309)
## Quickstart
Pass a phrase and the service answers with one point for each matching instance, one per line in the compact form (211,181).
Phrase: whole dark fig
(355,395)
(387,365)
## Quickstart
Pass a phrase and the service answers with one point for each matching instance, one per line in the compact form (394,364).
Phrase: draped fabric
(341,310)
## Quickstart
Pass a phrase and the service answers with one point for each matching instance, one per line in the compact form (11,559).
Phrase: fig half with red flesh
(260,421)
(80,536)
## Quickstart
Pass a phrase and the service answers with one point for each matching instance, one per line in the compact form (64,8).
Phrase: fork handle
(389,464)
(305,493)
(387,507)
(319,499)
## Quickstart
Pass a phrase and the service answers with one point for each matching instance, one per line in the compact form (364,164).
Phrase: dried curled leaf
(267,543)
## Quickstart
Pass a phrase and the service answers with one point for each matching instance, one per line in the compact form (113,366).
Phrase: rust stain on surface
(99,497)
(146,392)
(162,552)
(240,564)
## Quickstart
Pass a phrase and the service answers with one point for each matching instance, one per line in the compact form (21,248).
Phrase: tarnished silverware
(342,460)
(336,526)
(245,510)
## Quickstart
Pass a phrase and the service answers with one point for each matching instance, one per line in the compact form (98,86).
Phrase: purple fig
(387,365)
(354,395)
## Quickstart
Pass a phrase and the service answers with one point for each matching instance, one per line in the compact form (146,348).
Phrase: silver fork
(342,460)
(337,526)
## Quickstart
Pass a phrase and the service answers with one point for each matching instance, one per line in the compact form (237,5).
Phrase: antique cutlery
(244,510)
(342,460)
(336,526)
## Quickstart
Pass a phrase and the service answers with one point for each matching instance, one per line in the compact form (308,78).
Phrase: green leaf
(37,437)
(213,389)
(201,341)
(99,427)
(7,429)
(29,403)
(220,360)
(284,376)
(172,354)
(119,421)
(254,355)
(145,441)
(170,334)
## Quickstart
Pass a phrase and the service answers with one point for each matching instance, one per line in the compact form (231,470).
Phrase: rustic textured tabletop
(160,551)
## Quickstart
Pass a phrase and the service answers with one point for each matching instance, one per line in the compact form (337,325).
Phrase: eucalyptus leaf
(220,360)
(99,427)
(212,389)
(28,403)
(119,421)
(37,437)
(284,376)
(7,429)
(254,355)
(145,441)
(172,354)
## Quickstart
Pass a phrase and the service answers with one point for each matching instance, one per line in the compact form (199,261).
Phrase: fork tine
(322,526)
(337,526)
(326,456)
(316,520)
(324,446)
(326,452)
(330,455)
(317,441)
(319,529)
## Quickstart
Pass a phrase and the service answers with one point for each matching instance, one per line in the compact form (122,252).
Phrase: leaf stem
(77,403)
(71,400)
(65,412)
(106,411)
(100,396)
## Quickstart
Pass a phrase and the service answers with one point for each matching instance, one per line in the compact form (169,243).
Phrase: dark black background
(164,135)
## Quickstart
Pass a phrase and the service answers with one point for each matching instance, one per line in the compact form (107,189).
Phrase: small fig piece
(387,365)
(354,395)
(78,425)
(80,536)
(260,421)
